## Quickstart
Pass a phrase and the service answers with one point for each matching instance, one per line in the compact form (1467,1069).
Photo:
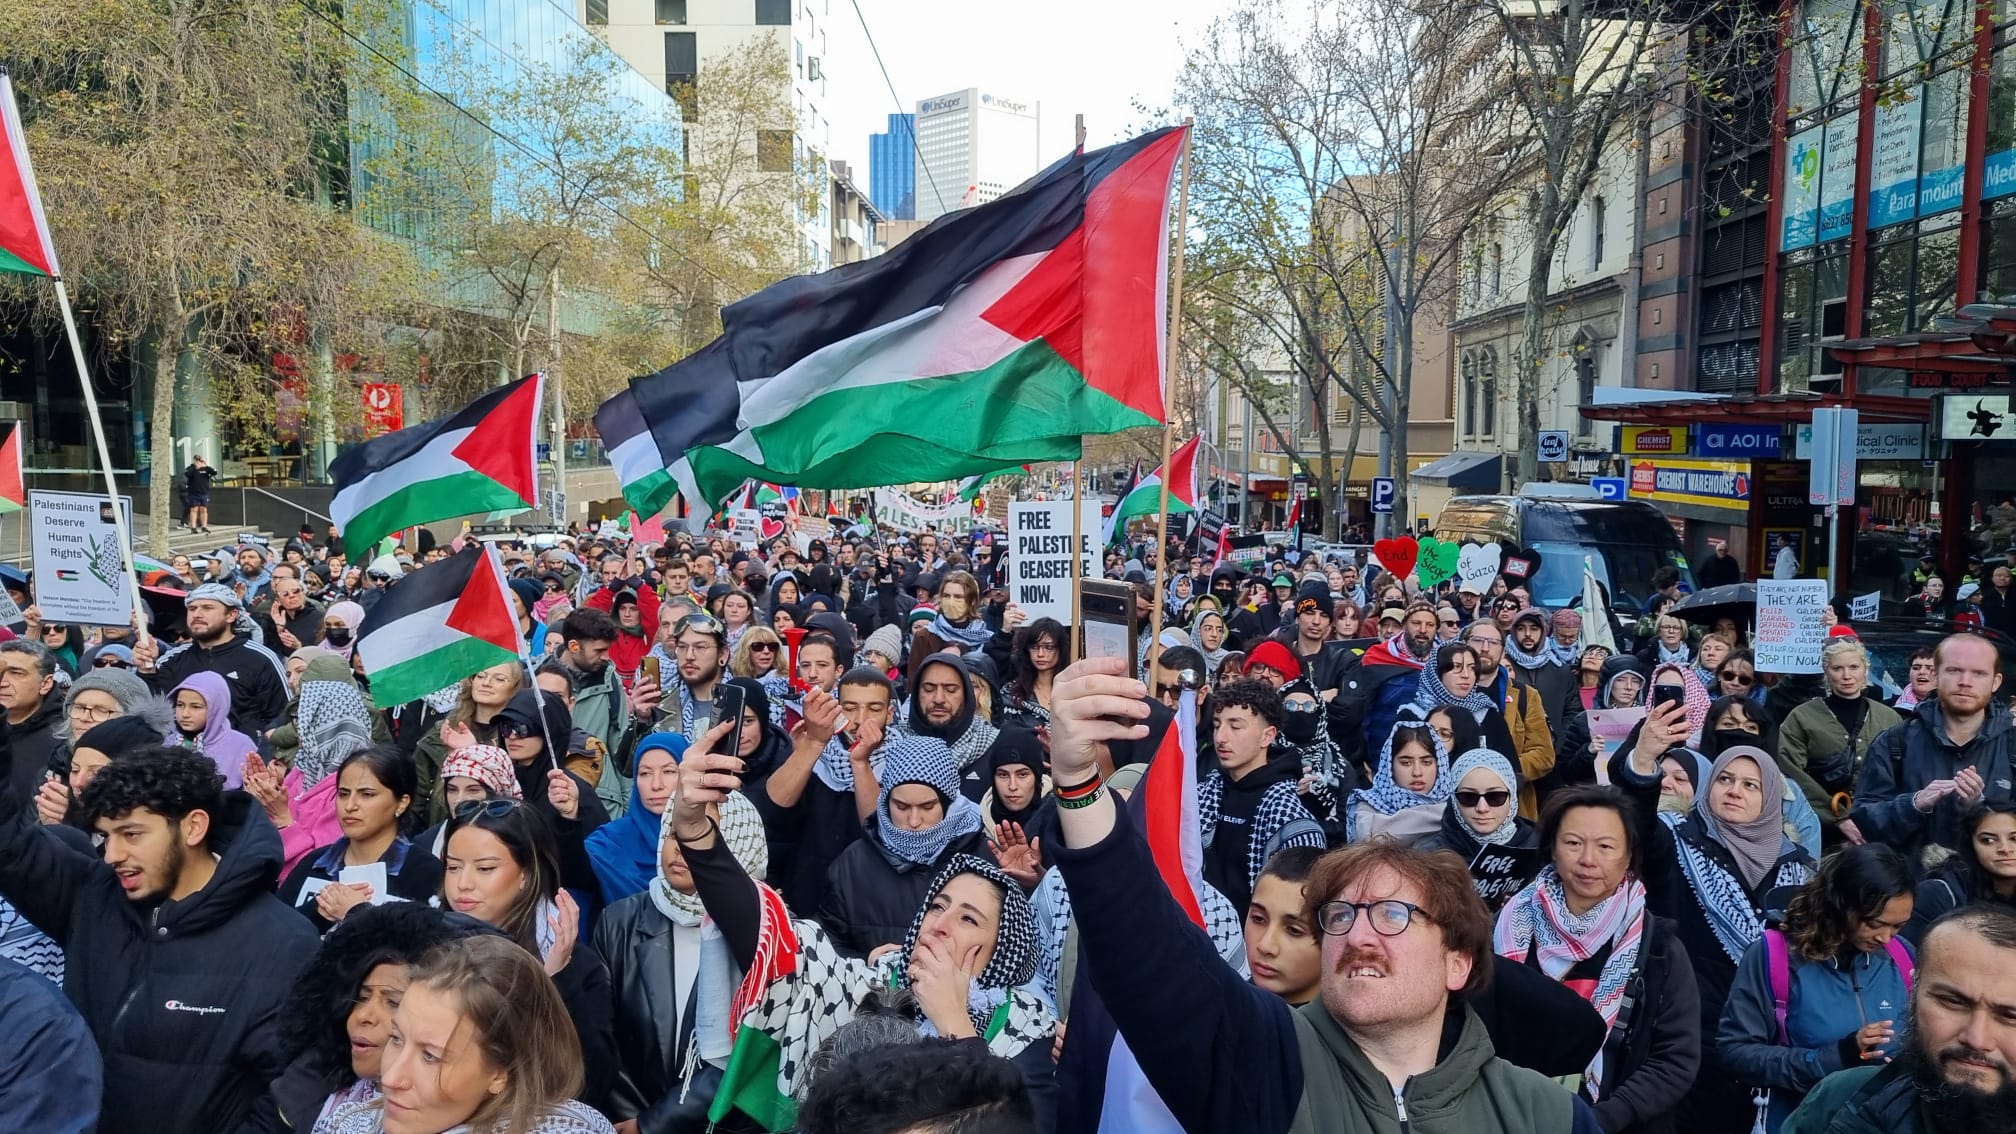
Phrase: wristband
(1079,795)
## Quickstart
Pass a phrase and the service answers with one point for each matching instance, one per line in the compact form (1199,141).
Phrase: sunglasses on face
(109,663)
(766,647)
(512,730)
(487,808)
(1496,797)
(1738,678)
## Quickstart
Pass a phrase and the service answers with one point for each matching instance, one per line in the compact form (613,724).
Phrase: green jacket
(601,711)
(1860,1100)
(1812,733)
(1469,1091)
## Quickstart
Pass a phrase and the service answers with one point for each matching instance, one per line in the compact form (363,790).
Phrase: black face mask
(338,635)
(1727,738)
(1301,728)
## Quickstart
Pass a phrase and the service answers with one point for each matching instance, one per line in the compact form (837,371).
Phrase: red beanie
(1274,656)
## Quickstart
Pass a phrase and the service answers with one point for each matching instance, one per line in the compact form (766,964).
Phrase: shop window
(1469,393)
(1487,386)
(1826,57)
(1584,352)
(1998,255)
(1887,311)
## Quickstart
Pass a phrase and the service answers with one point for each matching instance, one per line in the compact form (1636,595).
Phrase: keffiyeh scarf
(1013,962)
(972,636)
(1524,660)
(836,770)
(333,721)
(366,1116)
(1537,921)
(741,831)
(1430,693)
(1386,796)
(921,760)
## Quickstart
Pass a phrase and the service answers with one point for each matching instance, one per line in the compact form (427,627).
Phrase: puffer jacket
(1812,739)
(1915,753)
(182,998)
(1861,1100)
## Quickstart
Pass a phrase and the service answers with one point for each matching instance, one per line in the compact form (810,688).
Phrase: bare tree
(1338,148)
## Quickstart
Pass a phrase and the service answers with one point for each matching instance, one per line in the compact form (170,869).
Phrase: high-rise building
(892,168)
(675,39)
(973,146)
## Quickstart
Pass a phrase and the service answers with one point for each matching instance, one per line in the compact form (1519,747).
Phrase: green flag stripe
(9,262)
(749,1084)
(444,498)
(411,680)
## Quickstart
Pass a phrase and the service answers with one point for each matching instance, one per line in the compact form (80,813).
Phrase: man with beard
(1527,652)
(1954,1075)
(178,955)
(700,645)
(1524,709)
(814,805)
(251,572)
(1386,678)
(222,640)
(942,707)
(1920,777)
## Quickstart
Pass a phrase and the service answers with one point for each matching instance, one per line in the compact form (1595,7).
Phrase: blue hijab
(624,851)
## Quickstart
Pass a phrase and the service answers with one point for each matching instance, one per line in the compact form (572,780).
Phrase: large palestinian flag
(997,336)
(24,233)
(1145,498)
(479,459)
(647,485)
(438,625)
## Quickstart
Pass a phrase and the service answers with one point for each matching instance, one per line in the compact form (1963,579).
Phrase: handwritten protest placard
(1789,628)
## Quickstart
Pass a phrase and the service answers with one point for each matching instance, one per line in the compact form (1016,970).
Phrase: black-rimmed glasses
(1390,916)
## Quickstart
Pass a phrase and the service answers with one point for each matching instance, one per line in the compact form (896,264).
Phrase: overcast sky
(1090,57)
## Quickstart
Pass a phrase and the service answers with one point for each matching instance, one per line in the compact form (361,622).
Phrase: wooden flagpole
(1169,379)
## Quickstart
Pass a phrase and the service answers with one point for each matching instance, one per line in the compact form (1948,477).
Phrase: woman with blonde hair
(1822,742)
(480,1042)
(481,698)
(758,653)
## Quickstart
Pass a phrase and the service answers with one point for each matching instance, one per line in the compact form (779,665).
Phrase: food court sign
(1707,484)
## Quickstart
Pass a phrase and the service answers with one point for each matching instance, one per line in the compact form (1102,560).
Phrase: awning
(1462,470)
(1754,409)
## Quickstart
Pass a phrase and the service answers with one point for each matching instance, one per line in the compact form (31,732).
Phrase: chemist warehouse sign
(1707,484)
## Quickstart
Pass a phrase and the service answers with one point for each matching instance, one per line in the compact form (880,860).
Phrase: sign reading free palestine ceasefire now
(1039,555)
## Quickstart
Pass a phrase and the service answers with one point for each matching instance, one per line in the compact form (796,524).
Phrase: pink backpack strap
(1778,965)
(1901,957)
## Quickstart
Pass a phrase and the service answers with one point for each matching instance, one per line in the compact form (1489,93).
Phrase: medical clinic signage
(1666,439)
(1707,484)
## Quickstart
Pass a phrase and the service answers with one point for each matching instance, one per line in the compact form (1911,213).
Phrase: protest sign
(745,526)
(904,512)
(1246,550)
(80,573)
(1039,555)
(1789,628)
(1608,728)
(1864,608)
(1477,565)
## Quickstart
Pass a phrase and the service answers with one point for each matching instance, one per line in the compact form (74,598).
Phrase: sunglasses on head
(487,808)
(704,623)
(1739,677)
(1496,797)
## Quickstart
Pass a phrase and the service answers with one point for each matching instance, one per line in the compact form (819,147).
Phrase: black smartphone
(728,704)
(1664,694)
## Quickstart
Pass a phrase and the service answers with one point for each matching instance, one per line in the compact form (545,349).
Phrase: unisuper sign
(1691,482)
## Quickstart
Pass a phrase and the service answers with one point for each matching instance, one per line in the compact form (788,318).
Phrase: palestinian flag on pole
(479,459)
(969,489)
(13,484)
(24,232)
(998,335)
(1145,498)
(647,487)
(438,625)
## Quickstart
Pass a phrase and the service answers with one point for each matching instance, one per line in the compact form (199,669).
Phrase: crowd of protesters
(826,834)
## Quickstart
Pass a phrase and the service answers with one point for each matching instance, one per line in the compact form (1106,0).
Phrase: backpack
(1778,963)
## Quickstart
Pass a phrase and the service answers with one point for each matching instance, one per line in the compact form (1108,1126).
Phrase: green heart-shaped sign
(1437,563)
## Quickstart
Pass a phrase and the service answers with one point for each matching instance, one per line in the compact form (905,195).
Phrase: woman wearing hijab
(339,628)
(663,954)
(1575,750)
(624,851)
(1481,824)
(1713,871)
(921,822)
(1449,680)
(1587,921)
(968,950)
(765,744)
(1209,634)
(476,773)
(1408,788)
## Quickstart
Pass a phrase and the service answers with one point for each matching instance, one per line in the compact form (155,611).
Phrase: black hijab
(775,747)
(1016,746)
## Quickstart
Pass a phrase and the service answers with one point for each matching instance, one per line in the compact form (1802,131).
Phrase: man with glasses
(34,709)
(292,619)
(1390,1043)
(1524,708)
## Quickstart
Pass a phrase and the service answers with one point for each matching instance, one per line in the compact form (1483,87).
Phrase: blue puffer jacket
(1827,1003)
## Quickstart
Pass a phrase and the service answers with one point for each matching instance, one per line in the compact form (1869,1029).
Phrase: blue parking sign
(1382,495)
(1608,487)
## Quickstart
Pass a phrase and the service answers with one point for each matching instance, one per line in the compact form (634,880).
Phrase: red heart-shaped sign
(771,528)
(1397,555)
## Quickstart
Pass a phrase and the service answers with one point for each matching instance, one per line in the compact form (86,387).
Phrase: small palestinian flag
(480,459)
(24,232)
(13,486)
(1145,499)
(442,623)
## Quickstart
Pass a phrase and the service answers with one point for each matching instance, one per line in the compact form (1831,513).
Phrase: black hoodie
(184,997)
